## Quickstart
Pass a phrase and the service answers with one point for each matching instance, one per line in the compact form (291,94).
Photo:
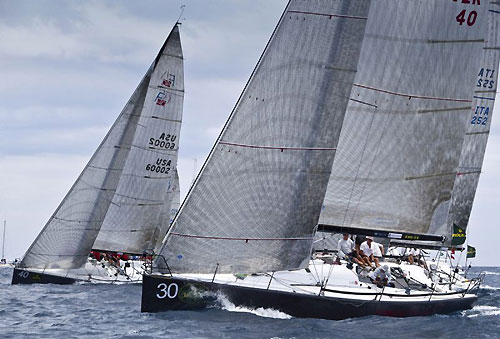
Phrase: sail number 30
(169,291)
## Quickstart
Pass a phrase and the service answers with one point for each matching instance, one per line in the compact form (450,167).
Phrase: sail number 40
(467,16)
(169,291)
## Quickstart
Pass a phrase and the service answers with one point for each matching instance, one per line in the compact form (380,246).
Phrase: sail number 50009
(169,291)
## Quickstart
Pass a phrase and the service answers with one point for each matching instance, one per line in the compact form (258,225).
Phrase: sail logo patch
(162,98)
(168,80)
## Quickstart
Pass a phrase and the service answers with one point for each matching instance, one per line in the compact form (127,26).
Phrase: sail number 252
(466,16)
(169,291)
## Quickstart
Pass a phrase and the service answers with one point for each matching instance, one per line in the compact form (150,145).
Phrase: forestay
(255,204)
(405,123)
(478,125)
(132,223)
(68,236)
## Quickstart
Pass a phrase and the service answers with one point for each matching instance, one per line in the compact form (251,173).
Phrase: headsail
(400,145)
(257,199)
(132,222)
(68,236)
(478,125)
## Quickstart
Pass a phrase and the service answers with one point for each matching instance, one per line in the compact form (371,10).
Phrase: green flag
(471,252)
(458,237)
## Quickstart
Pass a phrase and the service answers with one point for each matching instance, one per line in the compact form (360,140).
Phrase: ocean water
(112,311)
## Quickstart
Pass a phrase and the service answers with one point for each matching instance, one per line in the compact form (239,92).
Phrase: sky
(67,68)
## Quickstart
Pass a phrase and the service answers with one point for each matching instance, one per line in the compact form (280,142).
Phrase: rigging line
(411,96)
(331,15)
(280,148)
(241,239)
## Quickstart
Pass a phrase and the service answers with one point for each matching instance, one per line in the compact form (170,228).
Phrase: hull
(93,272)
(161,293)
(21,276)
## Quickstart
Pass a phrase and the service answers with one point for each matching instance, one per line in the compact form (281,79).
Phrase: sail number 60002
(169,291)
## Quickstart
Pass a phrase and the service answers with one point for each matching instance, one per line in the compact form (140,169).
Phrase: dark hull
(161,293)
(21,276)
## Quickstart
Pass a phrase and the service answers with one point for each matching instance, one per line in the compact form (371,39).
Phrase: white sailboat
(114,207)
(389,156)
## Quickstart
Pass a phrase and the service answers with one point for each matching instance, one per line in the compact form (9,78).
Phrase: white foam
(491,273)
(486,287)
(484,310)
(261,312)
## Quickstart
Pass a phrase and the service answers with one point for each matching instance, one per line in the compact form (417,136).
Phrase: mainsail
(132,222)
(478,125)
(70,233)
(257,199)
(402,137)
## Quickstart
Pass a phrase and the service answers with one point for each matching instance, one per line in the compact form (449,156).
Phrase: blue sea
(112,311)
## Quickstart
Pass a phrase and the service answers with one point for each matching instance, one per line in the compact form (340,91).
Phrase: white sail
(257,200)
(478,125)
(131,224)
(68,236)
(405,123)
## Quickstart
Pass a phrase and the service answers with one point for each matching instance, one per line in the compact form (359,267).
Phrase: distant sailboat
(247,225)
(116,203)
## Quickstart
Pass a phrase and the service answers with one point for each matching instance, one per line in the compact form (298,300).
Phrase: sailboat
(115,205)
(367,99)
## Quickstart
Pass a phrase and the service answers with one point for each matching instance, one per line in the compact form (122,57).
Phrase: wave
(261,312)
(487,287)
(484,310)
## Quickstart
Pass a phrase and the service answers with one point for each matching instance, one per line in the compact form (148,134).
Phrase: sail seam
(411,96)
(331,15)
(279,147)
(234,238)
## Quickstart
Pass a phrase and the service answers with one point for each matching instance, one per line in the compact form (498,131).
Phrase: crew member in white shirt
(367,252)
(346,250)
(381,276)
